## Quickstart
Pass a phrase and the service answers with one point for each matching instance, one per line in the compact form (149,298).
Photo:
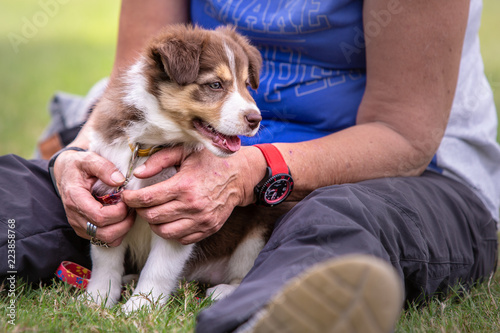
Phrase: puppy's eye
(215,85)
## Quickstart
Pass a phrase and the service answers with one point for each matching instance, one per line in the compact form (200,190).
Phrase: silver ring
(91,229)
(95,241)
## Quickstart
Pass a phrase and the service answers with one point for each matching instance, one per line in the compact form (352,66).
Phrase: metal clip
(131,165)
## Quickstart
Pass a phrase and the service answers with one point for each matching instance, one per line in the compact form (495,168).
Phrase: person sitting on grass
(385,119)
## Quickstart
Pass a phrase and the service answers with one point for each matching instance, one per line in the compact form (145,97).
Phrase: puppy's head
(200,79)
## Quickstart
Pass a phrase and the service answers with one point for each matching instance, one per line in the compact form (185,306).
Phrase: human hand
(194,203)
(76,173)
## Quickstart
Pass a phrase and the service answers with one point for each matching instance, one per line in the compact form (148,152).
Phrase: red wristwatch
(277,185)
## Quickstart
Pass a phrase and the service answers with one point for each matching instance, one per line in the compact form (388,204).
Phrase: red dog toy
(73,274)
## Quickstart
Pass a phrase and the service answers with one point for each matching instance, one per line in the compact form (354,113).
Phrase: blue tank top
(313,75)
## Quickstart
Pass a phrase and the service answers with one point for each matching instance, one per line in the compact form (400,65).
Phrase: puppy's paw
(137,302)
(143,301)
(221,291)
(101,295)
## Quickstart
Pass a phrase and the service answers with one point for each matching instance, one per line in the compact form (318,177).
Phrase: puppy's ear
(255,64)
(180,58)
(253,54)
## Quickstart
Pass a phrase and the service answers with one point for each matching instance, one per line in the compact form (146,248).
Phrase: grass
(70,48)
(474,311)
(56,308)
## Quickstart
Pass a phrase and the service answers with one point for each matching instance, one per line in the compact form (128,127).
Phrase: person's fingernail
(117,177)
(139,169)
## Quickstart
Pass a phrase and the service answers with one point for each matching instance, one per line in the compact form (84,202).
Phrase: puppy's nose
(253,119)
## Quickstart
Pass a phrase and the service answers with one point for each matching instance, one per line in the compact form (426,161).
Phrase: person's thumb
(163,159)
(103,169)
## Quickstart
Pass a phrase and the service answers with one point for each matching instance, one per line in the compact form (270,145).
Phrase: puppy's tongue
(229,143)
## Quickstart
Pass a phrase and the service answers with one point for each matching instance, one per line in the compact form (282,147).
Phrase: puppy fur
(189,87)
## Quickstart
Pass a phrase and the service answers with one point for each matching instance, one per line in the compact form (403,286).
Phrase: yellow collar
(144,152)
(136,152)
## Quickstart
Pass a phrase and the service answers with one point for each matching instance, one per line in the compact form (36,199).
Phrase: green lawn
(71,46)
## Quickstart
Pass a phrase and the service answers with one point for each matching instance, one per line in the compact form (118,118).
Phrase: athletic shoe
(355,293)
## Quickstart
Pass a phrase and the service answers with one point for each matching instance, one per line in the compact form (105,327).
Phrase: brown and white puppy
(189,88)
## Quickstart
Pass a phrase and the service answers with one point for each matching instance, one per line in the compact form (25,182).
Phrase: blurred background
(68,45)
(48,46)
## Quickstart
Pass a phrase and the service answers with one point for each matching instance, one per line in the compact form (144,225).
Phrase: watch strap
(274,158)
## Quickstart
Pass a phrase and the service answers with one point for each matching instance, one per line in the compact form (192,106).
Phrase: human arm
(412,70)
(141,20)
(76,172)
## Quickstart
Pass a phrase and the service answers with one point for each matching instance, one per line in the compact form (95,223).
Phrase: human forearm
(358,153)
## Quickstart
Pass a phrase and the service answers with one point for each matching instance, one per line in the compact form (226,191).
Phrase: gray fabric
(69,111)
(43,237)
(469,151)
(433,230)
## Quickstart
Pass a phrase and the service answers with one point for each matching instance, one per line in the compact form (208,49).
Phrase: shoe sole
(350,294)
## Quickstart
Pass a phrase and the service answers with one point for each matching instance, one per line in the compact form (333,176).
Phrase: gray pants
(433,230)
(43,237)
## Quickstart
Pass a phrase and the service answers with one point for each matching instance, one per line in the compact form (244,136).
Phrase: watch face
(277,189)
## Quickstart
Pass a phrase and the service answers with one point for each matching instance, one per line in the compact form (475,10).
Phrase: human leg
(433,230)
(34,215)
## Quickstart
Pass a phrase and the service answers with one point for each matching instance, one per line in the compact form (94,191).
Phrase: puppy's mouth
(229,144)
